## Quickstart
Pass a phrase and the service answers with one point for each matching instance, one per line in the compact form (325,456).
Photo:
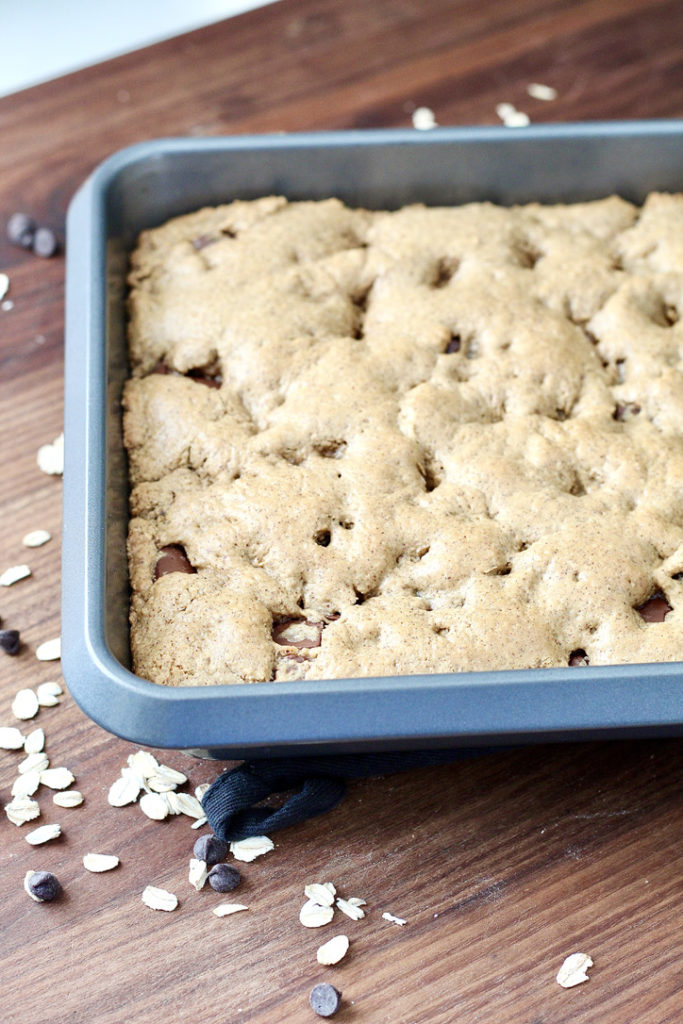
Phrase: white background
(41,39)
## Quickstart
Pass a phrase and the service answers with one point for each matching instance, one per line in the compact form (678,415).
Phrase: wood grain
(501,866)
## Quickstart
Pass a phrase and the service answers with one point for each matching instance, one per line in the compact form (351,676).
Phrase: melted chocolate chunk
(298,633)
(453,345)
(172,558)
(203,241)
(655,609)
(202,377)
(625,411)
(578,659)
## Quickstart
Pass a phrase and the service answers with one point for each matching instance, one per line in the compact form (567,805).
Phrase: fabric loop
(230,802)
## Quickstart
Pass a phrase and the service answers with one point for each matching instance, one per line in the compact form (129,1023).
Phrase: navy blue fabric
(320,782)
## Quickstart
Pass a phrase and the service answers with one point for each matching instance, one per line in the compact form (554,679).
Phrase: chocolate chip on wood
(9,641)
(210,849)
(21,230)
(325,999)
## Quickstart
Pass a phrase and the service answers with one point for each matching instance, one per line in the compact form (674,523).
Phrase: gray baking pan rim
(123,195)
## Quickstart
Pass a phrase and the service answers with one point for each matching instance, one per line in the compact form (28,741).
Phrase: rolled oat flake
(573,970)
(51,650)
(325,1000)
(10,738)
(159,899)
(43,834)
(25,705)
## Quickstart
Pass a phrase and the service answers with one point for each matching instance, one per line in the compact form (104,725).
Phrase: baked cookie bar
(429,440)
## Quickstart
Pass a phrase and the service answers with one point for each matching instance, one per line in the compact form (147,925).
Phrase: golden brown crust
(444,439)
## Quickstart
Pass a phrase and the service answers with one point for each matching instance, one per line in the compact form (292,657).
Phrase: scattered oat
(35,741)
(321,893)
(541,92)
(7,305)
(70,798)
(160,784)
(172,774)
(34,763)
(25,705)
(22,809)
(312,915)
(187,804)
(49,693)
(51,650)
(174,806)
(4,285)
(10,738)
(36,538)
(199,822)
(394,920)
(154,806)
(99,862)
(200,790)
(511,117)
(351,909)
(249,849)
(51,457)
(198,873)
(159,899)
(43,834)
(123,791)
(333,951)
(423,119)
(573,970)
(224,909)
(14,574)
(144,762)
(26,784)
(56,778)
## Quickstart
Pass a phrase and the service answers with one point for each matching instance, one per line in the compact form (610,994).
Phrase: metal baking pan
(143,186)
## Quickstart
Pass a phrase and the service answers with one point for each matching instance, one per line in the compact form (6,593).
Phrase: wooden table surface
(501,867)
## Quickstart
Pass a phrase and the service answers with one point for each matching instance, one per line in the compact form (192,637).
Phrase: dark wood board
(501,866)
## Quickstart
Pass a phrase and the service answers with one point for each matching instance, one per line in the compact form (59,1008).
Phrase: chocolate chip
(625,411)
(21,229)
(578,659)
(203,241)
(323,538)
(298,633)
(453,345)
(202,377)
(45,242)
(325,999)
(172,558)
(224,878)
(655,609)
(9,640)
(210,849)
(44,885)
